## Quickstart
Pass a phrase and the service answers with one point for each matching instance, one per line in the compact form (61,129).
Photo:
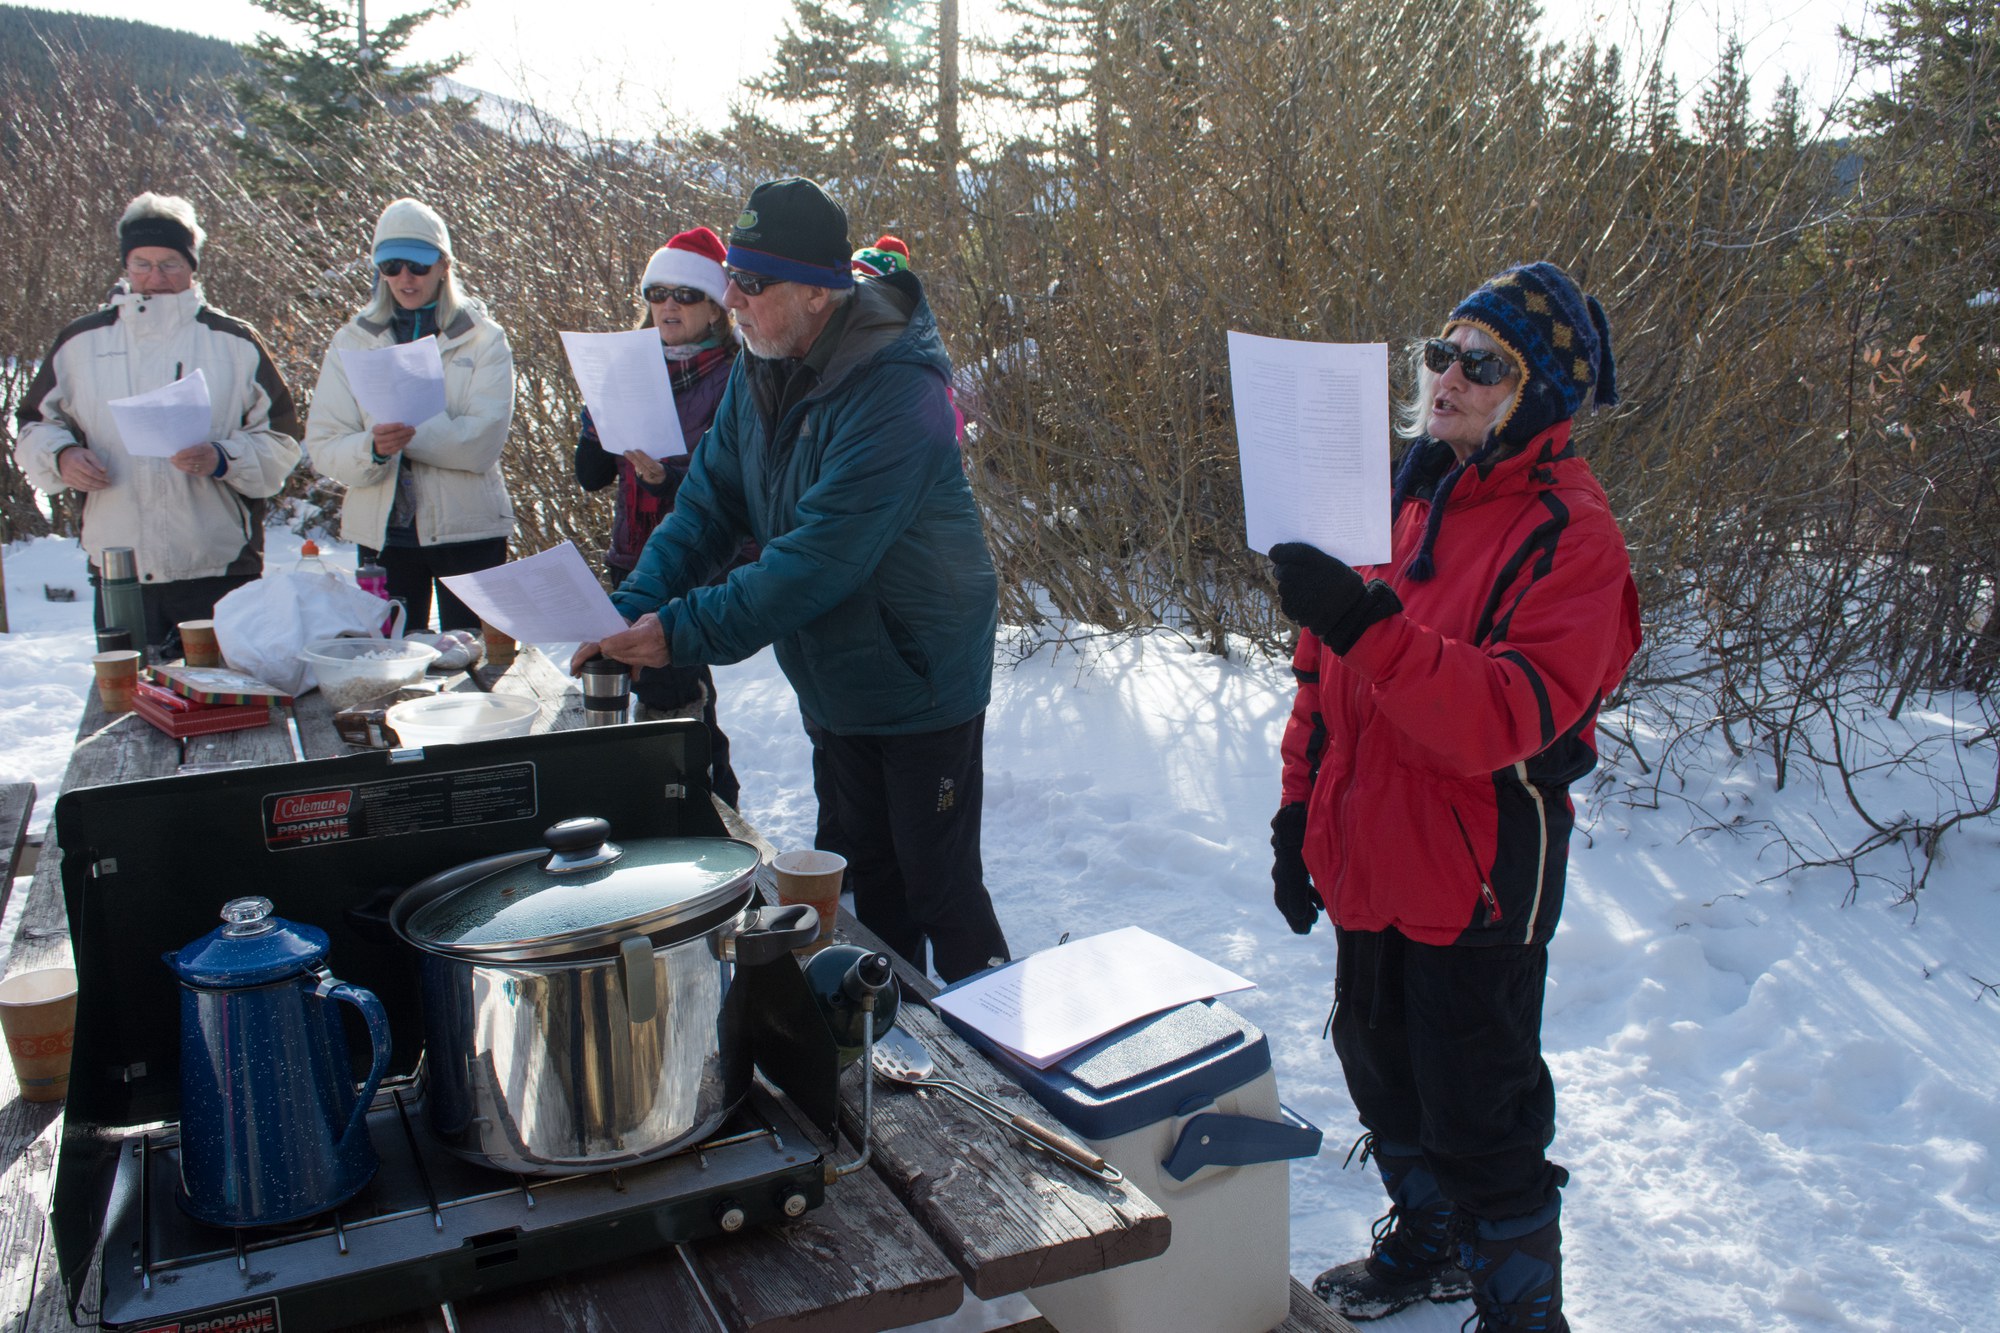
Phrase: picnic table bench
(952,1202)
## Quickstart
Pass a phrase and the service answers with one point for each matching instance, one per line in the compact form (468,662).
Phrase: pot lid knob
(583,843)
(247,916)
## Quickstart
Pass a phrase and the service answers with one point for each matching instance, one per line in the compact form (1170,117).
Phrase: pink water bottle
(375,579)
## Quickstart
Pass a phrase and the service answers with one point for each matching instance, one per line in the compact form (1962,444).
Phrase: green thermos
(124,602)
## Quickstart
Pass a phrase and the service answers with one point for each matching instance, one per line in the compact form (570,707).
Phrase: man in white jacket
(195,521)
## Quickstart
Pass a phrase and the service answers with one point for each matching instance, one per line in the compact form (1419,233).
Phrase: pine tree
(309,107)
(853,91)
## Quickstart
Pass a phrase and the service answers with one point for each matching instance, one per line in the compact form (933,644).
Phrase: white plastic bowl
(454,719)
(352,671)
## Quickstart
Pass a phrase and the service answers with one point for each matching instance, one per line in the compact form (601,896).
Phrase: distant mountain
(158,61)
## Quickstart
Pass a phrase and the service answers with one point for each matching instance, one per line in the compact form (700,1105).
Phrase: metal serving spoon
(901,1058)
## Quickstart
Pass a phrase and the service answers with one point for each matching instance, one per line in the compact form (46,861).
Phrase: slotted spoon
(901,1058)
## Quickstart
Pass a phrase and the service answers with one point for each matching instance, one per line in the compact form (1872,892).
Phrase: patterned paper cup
(38,1014)
(812,877)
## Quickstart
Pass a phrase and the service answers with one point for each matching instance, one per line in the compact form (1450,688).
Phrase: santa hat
(691,259)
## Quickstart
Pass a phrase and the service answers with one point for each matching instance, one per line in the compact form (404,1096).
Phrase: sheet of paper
(396,386)
(1049,1004)
(162,423)
(624,381)
(1312,431)
(547,598)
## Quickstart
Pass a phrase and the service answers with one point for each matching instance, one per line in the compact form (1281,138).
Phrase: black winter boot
(1516,1272)
(1412,1258)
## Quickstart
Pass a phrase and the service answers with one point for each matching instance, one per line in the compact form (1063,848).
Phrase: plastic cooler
(1184,1103)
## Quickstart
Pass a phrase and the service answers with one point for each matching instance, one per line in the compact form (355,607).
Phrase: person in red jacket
(1446,702)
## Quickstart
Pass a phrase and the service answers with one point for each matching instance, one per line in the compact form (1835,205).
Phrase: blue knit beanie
(1560,335)
(1562,339)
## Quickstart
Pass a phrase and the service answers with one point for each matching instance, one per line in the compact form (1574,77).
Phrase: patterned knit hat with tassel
(1562,340)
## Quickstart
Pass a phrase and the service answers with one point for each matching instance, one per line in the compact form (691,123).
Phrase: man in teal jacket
(835,449)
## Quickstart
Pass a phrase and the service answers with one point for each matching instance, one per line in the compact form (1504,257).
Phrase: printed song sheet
(624,381)
(1049,1004)
(162,423)
(1312,431)
(396,386)
(547,598)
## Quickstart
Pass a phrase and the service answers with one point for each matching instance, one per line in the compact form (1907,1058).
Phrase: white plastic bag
(263,627)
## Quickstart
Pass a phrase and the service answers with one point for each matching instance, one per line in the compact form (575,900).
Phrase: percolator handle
(377,1018)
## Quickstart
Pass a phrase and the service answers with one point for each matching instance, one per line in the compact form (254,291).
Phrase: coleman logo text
(317,805)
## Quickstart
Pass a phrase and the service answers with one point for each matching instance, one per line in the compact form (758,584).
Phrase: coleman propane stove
(432,1228)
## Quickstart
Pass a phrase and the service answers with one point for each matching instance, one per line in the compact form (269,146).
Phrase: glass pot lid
(588,892)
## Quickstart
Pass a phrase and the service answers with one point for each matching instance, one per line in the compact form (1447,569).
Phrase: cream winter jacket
(454,459)
(180,527)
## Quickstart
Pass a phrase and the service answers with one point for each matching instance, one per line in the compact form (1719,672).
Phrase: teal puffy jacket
(875,584)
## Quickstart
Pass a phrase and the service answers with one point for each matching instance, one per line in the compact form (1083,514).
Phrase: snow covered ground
(1780,1112)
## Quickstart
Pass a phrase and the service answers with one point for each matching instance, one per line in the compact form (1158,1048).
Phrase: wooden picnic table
(953,1201)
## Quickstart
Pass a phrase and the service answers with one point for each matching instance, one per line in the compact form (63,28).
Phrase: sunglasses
(1481,367)
(679,295)
(393,268)
(752,284)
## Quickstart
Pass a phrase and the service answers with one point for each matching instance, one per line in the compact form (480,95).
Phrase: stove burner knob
(794,1204)
(729,1216)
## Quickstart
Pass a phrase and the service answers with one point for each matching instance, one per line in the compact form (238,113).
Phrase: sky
(1776,1104)
(612,65)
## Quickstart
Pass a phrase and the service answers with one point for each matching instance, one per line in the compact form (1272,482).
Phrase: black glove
(1292,888)
(1328,598)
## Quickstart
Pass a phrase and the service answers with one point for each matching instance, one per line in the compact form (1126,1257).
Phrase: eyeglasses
(393,268)
(679,295)
(752,284)
(166,268)
(1481,366)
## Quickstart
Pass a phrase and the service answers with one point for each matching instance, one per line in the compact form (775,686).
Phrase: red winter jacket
(1435,758)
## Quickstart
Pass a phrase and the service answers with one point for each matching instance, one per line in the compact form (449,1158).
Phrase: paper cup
(812,877)
(500,646)
(38,1014)
(117,674)
(198,645)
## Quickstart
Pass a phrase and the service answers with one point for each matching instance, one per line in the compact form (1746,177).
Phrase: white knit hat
(410,229)
(691,259)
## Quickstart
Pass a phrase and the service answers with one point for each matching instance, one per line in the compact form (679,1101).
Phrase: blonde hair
(452,298)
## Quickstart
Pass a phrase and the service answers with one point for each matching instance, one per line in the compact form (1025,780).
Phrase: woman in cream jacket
(424,499)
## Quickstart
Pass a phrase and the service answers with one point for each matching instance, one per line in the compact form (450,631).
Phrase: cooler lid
(1145,1072)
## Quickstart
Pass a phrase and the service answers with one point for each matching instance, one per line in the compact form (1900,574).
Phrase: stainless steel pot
(579,1011)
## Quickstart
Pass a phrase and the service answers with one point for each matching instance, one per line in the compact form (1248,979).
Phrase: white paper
(1312,431)
(547,598)
(162,423)
(396,386)
(625,384)
(1049,1004)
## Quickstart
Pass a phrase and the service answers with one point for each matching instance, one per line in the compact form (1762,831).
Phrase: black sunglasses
(1481,366)
(752,284)
(393,268)
(681,295)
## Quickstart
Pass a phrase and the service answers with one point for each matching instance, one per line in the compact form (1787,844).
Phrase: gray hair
(172,207)
(1413,417)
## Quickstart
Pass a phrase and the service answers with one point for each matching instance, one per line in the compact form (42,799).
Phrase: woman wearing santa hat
(682,289)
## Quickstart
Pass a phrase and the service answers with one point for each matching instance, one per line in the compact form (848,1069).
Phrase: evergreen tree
(309,107)
(852,88)
(1722,114)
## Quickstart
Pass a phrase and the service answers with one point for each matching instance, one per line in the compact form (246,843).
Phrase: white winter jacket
(180,527)
(454,459)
